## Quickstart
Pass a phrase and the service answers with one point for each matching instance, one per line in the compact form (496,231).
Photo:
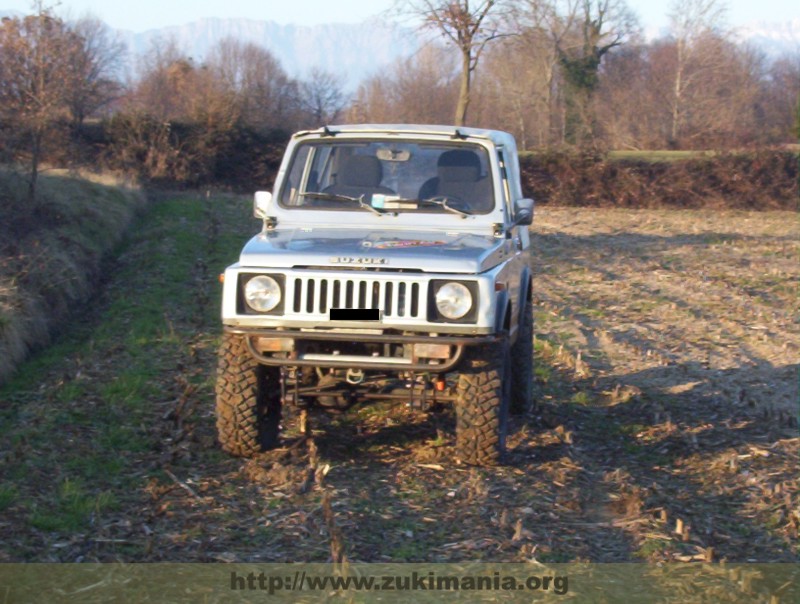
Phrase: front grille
(396,298)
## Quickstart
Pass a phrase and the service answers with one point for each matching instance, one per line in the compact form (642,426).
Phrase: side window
(295,177)
(319,176)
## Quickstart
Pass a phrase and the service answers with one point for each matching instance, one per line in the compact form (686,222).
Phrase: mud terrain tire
(522,364)
(248,400)
(482,405)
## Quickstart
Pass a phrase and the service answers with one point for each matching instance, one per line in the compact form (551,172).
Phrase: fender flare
(526,290)
(525,293)
(502,305)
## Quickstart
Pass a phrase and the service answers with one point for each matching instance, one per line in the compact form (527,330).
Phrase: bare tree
(268,98)
(321,96)
(470,29)
(514,87)
(37,81)
(589,30)
(98,68)
(164,81)
(691,21)
(779,106)
(419,89)
(568,40)
(625,104)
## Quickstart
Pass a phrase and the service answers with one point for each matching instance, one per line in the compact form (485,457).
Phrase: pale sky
(141,15)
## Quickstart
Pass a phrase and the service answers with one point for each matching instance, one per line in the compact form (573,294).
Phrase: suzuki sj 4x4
(392,266)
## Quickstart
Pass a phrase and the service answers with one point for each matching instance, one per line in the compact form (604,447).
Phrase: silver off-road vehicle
(392,266)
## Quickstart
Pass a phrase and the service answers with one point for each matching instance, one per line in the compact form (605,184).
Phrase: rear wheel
(482,405)
(248,400)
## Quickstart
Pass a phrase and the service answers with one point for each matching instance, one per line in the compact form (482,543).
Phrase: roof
(496,136)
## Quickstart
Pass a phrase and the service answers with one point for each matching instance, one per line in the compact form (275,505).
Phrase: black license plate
(355,314)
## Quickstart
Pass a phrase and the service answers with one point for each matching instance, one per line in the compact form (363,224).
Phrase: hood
(433,252)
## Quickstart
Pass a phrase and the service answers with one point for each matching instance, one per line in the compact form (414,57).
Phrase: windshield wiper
(442,203)
(336,197)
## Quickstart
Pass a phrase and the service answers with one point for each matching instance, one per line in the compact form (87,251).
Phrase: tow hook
(354,376)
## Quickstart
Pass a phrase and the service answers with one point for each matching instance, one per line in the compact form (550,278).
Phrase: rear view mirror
(261,204)
(523,212)
(393,154)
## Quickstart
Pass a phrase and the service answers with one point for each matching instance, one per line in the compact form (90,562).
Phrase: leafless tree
(515,87)
(568,40)
(165,74)
(779,103)
(692,22)
(625,100)
(98,68)
(420,89)
(268,98)
(37,82)
(468,28)
(322,97)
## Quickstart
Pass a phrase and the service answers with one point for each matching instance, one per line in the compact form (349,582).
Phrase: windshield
(389,176)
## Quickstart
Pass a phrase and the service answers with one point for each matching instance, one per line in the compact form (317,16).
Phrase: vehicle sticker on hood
(356,260)
(385,245)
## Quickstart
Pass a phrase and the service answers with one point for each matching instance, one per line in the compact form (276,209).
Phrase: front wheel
(248,400)
(482,405)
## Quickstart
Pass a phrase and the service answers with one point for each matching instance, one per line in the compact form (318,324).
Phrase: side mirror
(261,204)
(523,212)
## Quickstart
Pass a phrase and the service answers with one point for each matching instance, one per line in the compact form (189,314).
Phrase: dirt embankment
(50,254)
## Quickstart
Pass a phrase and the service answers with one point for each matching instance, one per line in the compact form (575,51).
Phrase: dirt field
(666,364)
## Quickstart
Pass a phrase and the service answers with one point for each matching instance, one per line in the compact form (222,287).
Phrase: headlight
(262,293)
(453,300)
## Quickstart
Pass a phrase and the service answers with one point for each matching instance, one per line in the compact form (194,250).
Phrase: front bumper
(291,343)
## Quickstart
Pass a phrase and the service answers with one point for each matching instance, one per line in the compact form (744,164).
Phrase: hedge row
(759,180)
(244,160)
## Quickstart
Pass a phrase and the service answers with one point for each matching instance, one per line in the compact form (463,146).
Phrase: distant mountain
(772,37)
(350,51)
(356,51)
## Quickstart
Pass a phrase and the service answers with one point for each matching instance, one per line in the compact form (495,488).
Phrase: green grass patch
(85,416)
(8,494)
(72,509)
(658,155)
(97,467)
(582,398)
(653,547)
(542,373)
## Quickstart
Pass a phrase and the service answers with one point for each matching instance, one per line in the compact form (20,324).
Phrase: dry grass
(50,253)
